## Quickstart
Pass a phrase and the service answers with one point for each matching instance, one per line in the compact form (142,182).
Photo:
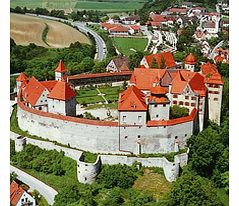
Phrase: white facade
(111,67)
(26,199)
(67,108)
(159,111)
(133,117)
(190,67)
(59,75)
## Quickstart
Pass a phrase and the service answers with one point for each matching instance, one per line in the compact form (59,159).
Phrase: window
(174,102)
(139,118)
(41,100)
(186,97)
(193,104)
(176,137)
(124,118)
(125,137)
(155,105)
(215,99)
(164,126)
(216,86)
(180,103)
(193,98)
(185,135)
(216,92)
(52,106)
(40,108)
(186,103)
(138,136)
(157,115)
(175,96)
(164,105)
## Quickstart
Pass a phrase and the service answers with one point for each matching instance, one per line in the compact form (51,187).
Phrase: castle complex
(48,109)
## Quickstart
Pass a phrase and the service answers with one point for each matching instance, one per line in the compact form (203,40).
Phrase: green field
(90,96)
(107,5)
(124,45)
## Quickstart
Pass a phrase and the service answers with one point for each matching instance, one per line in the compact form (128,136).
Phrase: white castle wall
(20,142)
(106,139)
(159,111)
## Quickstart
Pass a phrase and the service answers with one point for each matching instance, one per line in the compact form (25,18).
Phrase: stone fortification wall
(171,169)
(106,137)
(87,172)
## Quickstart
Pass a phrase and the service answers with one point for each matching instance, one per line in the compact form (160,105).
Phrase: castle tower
(60,72)
(87,172)
(159,104)
(190,62)
(20,79)
(61,100)
(20,142)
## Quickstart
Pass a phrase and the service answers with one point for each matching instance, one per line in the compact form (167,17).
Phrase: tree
(13,176)
(114,197)
(191,189)
(154,64)
(86,64)
(205,151)
(135,59)
(68,194)
(117,176)
(177,112)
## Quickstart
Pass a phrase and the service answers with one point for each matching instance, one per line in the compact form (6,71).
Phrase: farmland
(128,46)
(28,29)
(104,5)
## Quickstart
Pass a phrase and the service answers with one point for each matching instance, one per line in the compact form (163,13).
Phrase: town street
(35,184)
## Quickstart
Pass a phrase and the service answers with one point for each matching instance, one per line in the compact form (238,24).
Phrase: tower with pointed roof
(60,72)
(158,104)
(61,100)
(190,62)
(20,79)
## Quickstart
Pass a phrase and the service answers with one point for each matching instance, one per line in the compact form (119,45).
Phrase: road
(35,184)
(100,44)
(214,49)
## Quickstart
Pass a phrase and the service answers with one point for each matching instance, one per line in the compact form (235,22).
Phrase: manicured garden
(127,45)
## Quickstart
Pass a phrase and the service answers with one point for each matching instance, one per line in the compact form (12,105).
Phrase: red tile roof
(33,91)
(171,122)
(62,91)
(135,27)
(209,68)
(22,77)
(169,60)
(16,192)
(158,90)
(157,18)
(178,84)
(219,58)
(178,10)
(105,74)
(108,25)
(61,67)
(146,77)
(197,84)
(119,29)
(190,59)
(132,99)
(159,100)
(49,84)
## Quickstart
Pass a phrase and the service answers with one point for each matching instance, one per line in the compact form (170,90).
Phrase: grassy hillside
(103,5)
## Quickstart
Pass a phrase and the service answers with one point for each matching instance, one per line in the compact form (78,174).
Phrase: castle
(48,109)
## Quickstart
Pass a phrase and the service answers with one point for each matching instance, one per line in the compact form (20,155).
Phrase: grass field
(90,96)
(107,5)
(28,29)
(124,45)
(152,183)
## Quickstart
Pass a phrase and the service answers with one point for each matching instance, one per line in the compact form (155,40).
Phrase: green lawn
(124,45)
(108,5)
(90,96)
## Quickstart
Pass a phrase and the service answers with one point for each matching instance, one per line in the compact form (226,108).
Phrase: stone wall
(103,137)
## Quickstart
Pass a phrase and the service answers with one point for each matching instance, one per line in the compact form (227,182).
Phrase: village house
(130,20)
(20,197)
(118,64)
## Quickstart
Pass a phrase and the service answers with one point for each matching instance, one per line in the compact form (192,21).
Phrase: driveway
(35,184)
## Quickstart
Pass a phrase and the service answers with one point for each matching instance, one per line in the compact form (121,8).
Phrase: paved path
(102,95)
(100,44)
(35,184)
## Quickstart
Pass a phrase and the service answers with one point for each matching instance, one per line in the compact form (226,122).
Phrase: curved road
(35,184)
(100,44)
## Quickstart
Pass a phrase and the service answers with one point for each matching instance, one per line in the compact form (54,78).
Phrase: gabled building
(118,64)
(165,58)
(20,197)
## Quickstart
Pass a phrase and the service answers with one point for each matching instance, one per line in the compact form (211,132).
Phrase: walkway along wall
(106,137)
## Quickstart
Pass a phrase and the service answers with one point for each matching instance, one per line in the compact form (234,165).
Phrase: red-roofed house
(132,107)
(19,197)
(177,11)
(61,100)
(164,56)
(134,29)
(119,31)
(60,72)
(20,79)
(190,62)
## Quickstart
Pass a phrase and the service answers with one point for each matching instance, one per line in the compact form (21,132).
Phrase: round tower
(190,62)
(87,172)
(159,104)
(20,143)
